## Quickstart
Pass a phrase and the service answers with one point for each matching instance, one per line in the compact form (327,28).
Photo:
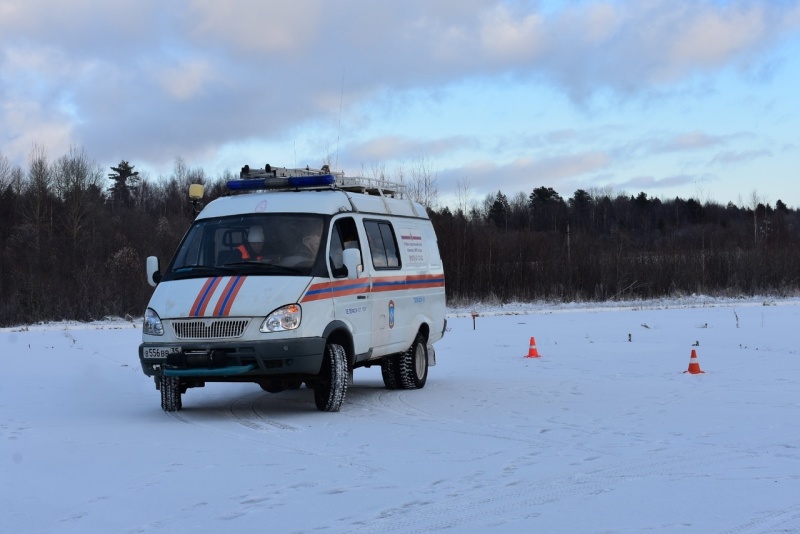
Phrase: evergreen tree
(498,213)
(580,204)
(545,205)
(125,183)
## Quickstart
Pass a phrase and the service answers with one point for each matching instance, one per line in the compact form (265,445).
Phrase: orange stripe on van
(204,297)
(229,295)
(340,288)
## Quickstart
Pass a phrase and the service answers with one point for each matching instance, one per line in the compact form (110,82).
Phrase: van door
(390,311)
(351,297)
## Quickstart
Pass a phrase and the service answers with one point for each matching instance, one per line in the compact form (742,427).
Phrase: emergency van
(297,277)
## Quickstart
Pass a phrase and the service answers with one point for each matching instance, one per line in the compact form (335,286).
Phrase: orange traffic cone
(532,352)
(694,366)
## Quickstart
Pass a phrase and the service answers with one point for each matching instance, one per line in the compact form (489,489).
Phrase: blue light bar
(320,180)
(312,181)
(241,185)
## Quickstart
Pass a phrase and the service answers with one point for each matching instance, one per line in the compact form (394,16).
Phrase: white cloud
(712,37)
(186,79)
(602,22)
(398,148)
(689,141)
(569,165)
(33,125)
(650,182)
(508,36)
(190,76)
(264,27)
(563,173)
(730,157)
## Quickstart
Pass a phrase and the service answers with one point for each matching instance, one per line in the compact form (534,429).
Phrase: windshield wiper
(256,263)
(200,268)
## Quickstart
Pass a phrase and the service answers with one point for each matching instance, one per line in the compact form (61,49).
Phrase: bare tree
(463,195)
(77,181)
(600,203)
(755,200)
(5,172)
(38,189)
(487,203)
(330,159)
(377,171)
(421,185)
(518,214)
(176,188)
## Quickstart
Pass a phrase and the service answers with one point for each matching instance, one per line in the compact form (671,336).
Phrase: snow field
(599,434)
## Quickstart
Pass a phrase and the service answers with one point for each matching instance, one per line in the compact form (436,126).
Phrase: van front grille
(209,329)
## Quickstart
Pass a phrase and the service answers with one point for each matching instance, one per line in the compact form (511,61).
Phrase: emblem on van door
(391,314)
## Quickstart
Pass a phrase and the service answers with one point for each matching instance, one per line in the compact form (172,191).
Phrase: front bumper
(240,359)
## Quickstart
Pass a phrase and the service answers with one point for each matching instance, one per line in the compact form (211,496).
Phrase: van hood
(226,296)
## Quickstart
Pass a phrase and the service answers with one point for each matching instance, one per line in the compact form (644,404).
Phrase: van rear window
(382,244)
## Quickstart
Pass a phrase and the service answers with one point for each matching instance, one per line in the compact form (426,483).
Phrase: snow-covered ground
(603,433)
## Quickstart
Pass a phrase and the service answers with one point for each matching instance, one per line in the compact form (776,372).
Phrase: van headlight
(284,318)
(152,323)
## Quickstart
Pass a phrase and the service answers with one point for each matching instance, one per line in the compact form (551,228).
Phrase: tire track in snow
(494,501)
(244,412)
(396,402)
(785,520)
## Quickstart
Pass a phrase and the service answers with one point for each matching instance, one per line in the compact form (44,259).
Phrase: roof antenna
(339,126)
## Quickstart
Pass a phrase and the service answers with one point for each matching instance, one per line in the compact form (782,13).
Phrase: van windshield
(272,244)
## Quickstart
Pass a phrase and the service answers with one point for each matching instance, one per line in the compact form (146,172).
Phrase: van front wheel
(330,390)
(170,393)
(414,365)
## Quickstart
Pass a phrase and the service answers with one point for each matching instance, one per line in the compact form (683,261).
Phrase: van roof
(328,202)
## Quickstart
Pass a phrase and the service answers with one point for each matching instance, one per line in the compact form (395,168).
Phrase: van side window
(382,245)
(343,236)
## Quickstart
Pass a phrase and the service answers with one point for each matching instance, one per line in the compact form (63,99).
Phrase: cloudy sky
(689,98)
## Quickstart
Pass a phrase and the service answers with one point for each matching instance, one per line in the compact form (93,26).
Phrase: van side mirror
(153,271)
(351,258)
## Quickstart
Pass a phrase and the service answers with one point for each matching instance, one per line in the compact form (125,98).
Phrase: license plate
(159,352)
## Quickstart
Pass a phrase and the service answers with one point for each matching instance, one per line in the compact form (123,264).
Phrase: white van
(299,278)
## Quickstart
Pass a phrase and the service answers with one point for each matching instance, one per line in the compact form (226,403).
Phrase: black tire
(271,388)
(390,371)
(413,364)
(330,390)
(279,385)
(170,394)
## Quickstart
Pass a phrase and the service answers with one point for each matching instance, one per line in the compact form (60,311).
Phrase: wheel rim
(419,361)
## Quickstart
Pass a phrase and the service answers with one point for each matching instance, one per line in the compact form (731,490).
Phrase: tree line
(75,237)
(597,247)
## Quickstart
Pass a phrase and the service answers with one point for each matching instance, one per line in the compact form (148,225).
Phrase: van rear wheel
(330,390)
(413,365)
(390,371)
(170,394)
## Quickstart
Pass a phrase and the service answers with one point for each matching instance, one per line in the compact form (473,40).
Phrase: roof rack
(371,186)
(283,172)
(283,178)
